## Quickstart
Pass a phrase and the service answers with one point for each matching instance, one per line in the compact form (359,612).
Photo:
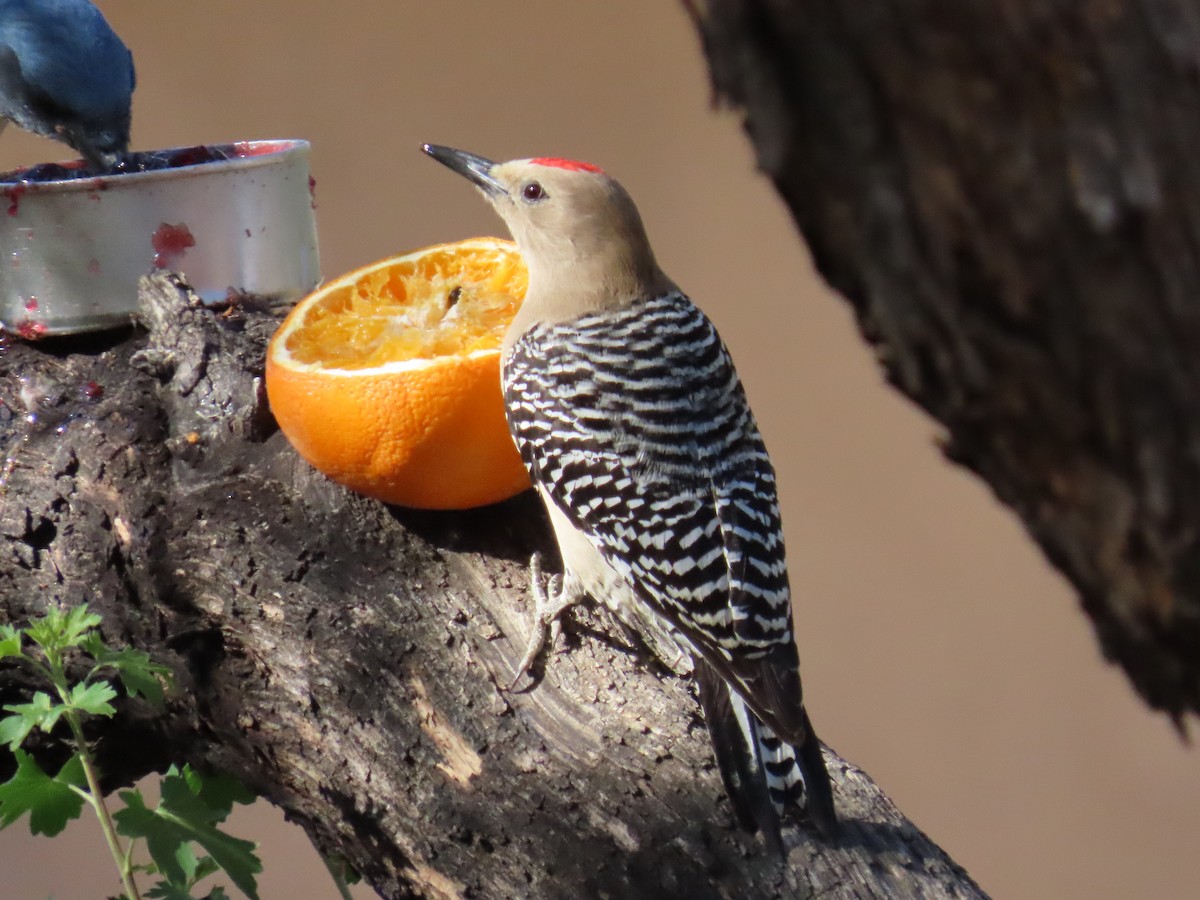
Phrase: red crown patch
(571,164)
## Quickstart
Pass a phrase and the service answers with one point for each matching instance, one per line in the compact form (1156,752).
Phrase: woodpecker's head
(577,228)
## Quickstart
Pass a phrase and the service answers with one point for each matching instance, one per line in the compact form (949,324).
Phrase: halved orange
(388,379)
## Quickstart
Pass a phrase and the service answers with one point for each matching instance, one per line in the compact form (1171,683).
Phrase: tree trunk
(1009,194)
(349,661)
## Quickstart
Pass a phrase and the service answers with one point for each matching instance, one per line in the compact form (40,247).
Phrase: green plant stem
(96,799)
(335,872)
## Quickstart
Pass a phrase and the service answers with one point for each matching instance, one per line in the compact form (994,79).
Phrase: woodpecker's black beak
(474,168)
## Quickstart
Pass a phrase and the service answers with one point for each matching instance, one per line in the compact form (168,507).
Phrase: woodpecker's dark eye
(533,191)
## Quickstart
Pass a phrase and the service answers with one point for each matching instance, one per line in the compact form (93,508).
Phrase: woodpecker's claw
(550,600)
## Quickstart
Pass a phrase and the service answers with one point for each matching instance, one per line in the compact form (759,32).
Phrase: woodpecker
(64,74)
(632,421)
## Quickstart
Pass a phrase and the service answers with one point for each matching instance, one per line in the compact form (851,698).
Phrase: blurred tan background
(940,651)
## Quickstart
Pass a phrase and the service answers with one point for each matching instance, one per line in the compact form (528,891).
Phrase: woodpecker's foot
(551,599)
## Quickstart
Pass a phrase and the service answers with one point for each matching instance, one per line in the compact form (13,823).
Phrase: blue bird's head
(64,74)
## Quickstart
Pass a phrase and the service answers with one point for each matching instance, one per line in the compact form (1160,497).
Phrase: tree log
(1008,194)
(350,661)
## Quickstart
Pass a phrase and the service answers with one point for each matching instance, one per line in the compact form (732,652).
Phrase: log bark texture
(1008,193)
(349,661)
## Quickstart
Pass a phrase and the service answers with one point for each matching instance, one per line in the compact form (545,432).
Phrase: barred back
(635,426)
(635,423)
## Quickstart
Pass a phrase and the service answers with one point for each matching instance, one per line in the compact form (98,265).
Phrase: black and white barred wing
(636,426)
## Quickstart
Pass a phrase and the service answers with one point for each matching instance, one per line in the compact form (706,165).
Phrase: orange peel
(387,379)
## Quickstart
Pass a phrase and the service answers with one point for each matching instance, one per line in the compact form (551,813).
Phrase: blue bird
(64,74)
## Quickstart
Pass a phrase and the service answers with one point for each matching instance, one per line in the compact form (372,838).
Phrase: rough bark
(348,661)
(1008,193)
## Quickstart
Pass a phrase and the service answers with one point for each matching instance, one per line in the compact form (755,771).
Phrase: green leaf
(10,641)
(188,862)
(208,866)
(50,802)
(58,630)
(14,730)
(217,792)
(42,711)
(93,698)
(235,856)
(137,820)
(139,675)
(183,815)
(196,869)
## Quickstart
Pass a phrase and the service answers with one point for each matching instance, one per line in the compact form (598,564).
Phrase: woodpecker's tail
(764,775)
